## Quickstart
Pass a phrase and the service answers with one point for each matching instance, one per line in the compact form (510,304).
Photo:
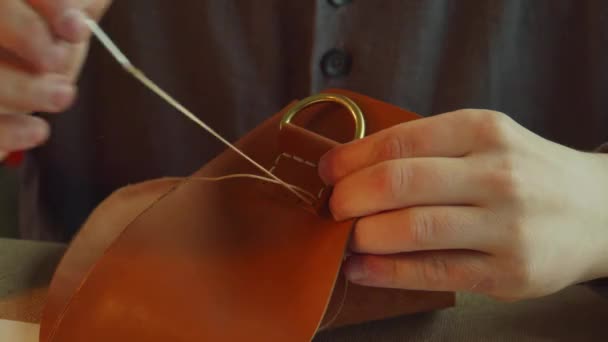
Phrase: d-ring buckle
(350,105)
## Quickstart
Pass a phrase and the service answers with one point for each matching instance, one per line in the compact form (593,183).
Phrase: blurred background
(8,203)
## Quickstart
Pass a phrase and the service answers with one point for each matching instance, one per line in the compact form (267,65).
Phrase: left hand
(43,46)
(470,201)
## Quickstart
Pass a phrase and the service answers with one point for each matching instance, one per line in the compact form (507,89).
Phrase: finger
(426,228)
(9,59)
(21,91)
(403,183)
(21,132)
(65,17)
(451,134)
(434,271)
(97,8)
(24,32)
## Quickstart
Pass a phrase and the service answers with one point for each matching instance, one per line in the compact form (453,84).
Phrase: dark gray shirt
(234,63)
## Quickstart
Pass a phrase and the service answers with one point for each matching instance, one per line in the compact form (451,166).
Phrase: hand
(43,44)
(470,201)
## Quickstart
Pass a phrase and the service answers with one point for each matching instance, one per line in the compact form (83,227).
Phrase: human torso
(234,63)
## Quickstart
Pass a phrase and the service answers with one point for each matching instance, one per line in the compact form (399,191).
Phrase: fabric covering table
(575,314)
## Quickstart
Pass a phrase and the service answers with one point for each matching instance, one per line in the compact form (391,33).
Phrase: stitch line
(292,157)
(300,160)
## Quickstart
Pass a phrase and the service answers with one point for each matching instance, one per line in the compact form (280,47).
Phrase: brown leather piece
(233,260)
(102,227)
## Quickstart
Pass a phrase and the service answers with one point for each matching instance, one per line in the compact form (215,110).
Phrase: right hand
(43,44)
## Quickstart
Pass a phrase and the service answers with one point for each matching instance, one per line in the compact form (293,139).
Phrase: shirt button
(336,63)
(339,3)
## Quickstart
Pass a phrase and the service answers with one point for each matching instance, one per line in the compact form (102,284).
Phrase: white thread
(321,192)
(107,42)
(140,76)
(276,160)
(245,175)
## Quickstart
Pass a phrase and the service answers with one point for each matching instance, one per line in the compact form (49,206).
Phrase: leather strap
(233,260)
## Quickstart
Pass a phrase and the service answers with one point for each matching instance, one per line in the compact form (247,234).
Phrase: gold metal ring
(350,105)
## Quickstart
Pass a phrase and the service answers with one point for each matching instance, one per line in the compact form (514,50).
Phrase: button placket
(333,60)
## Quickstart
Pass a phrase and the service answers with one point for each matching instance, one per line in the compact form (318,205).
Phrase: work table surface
(575,314)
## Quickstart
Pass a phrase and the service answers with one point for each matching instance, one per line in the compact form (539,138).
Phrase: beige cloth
(14,331)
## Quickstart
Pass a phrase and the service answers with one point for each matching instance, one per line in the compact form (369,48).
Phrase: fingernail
(38,133)
(33,134)
(354,269)
(58,96)
(57,57)
(71,25)
(62,96)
